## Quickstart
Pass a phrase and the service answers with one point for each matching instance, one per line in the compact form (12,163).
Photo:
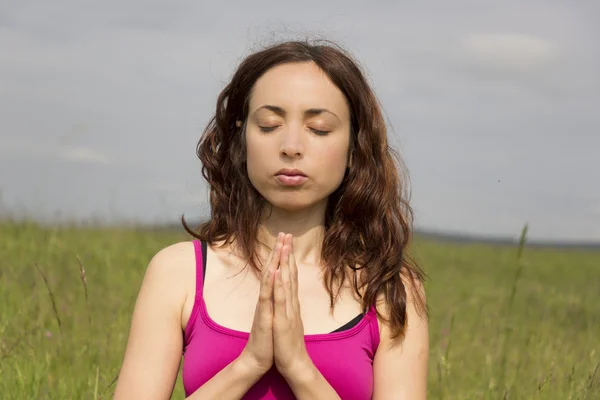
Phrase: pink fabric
(344,358)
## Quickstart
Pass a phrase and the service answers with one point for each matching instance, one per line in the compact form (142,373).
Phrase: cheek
(257,160)
(334,159)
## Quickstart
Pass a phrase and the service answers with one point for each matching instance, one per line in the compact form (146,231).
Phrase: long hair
(368,219)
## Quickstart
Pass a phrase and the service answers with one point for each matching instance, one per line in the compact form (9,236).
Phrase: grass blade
(52,300)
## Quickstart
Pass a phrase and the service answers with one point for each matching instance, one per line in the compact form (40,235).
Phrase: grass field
(500,328)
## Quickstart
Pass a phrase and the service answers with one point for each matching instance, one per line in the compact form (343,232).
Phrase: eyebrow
(310,112)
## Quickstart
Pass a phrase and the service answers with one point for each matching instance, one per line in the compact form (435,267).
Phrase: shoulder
(173,259)
(172,256)
(416,310)
(170,269)
(153,352)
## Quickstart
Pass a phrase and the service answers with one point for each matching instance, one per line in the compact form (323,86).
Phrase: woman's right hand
(258,353)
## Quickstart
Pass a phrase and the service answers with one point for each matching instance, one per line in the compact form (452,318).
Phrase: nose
(292,142)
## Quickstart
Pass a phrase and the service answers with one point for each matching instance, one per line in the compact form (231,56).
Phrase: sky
(493,105)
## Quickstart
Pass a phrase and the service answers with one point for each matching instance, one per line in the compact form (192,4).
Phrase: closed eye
(267,129)
(318,132)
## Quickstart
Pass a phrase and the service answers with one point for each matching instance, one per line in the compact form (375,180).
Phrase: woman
(299,285)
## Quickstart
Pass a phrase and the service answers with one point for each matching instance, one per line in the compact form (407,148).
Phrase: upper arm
(154,347)
(400,367)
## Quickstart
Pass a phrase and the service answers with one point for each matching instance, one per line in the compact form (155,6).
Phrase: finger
(284,264)
(294,275)
(268,278)
(273,257)
(279,301)
(264,305)
(265,296)
(285,274)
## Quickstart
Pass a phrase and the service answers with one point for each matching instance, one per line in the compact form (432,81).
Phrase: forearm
(232,382)
(310,384)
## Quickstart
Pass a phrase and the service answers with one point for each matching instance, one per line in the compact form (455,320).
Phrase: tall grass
(507,322)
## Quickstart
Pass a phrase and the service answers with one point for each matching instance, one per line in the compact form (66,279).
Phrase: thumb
(265,296)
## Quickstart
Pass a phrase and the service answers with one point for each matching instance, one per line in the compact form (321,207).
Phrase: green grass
(501,327)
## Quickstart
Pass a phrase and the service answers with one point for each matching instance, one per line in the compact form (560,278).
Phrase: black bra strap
(350,324)
(204,263)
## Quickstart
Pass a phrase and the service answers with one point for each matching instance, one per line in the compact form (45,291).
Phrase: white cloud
(512,51)
(83,155)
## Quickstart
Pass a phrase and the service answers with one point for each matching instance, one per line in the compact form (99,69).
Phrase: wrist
(247,367)
(307,382)
(302,373)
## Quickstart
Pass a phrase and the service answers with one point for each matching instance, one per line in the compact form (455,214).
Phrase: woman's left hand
(289,348)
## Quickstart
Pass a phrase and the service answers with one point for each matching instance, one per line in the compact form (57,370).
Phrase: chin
(291,206)
(292,202)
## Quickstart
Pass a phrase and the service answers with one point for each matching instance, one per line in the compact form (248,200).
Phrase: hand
(258,353)
(289,347)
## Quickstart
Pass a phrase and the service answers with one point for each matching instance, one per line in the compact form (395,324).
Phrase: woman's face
(297,136)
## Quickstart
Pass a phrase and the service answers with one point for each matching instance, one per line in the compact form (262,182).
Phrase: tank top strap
(374,327)
(200,257)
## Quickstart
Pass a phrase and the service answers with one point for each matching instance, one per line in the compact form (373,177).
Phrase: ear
(238,123)
(350,160)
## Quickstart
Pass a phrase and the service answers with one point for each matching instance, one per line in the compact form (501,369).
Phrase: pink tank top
(345,358)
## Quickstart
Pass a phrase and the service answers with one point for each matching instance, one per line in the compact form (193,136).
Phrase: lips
(290,177)
(290,172)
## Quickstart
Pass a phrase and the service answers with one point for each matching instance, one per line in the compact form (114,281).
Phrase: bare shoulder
(173,255)
(171,268)
(172,260)
(416,308)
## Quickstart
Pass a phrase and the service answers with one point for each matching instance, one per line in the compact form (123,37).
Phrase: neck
(306,226)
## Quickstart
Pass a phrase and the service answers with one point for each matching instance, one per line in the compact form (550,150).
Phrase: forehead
(298,86)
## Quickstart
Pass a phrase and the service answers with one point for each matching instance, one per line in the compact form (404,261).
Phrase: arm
(155,344)
(400,369)
(232,382)
(154,347)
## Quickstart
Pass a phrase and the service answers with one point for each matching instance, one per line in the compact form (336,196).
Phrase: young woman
(299,285)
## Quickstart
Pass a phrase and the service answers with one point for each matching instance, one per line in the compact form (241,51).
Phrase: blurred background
(493,105)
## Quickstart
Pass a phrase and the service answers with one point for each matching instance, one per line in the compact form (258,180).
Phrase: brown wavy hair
(368,219)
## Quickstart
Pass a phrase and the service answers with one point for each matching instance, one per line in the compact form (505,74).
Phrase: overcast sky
(494,105)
